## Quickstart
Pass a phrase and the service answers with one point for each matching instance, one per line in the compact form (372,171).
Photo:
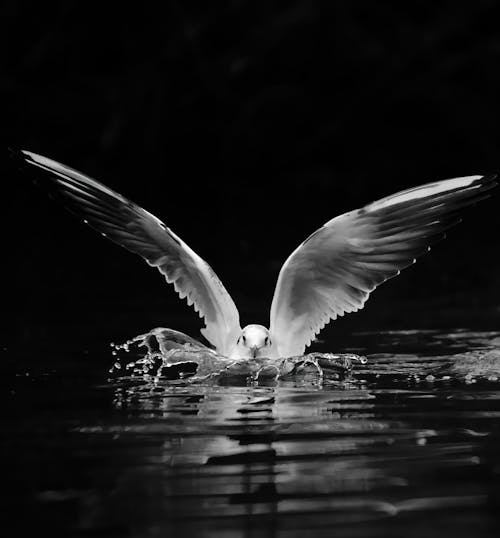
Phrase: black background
(244,126)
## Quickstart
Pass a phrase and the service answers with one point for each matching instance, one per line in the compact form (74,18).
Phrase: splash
(461,355)
(167,353)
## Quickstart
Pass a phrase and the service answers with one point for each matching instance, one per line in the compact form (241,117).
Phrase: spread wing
(338,266)
(127,224)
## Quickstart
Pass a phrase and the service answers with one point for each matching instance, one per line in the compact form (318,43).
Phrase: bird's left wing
(338,266)
(132,227)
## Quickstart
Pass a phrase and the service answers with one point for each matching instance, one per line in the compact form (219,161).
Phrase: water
(165,353)
(406,445)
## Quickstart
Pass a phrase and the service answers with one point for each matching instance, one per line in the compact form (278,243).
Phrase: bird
(331,273)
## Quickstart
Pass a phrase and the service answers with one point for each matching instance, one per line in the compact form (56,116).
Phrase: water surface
(409,445)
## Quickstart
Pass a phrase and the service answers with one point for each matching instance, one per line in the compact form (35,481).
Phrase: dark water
(409,445)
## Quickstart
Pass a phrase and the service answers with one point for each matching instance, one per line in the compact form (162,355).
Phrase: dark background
(244,126)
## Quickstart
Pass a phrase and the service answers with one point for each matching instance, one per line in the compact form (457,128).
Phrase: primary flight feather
(331,273)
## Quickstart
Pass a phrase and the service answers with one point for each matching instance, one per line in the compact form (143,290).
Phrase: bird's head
(254,341)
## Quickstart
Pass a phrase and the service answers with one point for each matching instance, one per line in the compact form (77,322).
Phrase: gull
(330,274)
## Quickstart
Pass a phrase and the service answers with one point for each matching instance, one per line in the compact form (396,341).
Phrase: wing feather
(336,268)
(140,232)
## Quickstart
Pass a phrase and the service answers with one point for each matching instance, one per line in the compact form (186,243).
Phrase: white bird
(331,273)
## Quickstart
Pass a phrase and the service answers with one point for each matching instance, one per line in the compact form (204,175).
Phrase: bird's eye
(238,341)
(266,341)
(244,340)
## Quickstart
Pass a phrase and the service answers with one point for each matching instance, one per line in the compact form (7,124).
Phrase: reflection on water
(408,445)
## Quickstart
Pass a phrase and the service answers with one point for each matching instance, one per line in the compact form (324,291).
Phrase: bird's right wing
(338,266)
(132,227)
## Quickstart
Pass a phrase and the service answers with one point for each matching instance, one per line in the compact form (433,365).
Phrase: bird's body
(254,341)
(331,273)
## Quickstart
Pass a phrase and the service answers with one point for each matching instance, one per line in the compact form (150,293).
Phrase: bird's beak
(254,350)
